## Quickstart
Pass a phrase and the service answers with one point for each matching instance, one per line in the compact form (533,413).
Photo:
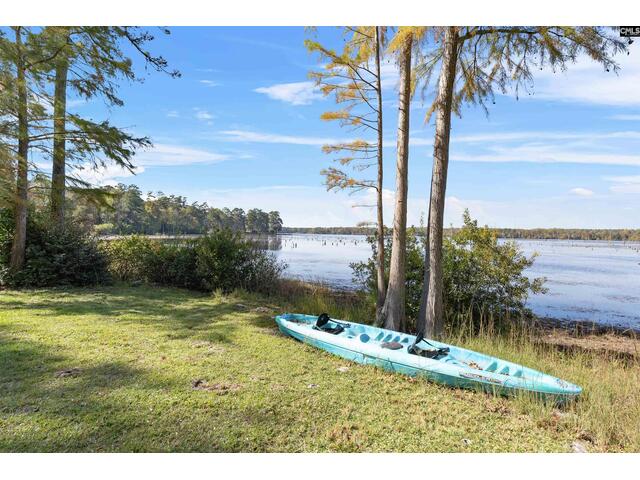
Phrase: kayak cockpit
(455,356)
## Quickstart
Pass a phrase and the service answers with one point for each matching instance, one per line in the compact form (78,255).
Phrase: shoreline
(576,327)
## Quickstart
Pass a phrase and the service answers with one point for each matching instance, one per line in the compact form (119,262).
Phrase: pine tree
(475,62)
(354,79)
(91,64)
(22,62)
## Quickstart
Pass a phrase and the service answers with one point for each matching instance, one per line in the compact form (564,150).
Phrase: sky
(241,128)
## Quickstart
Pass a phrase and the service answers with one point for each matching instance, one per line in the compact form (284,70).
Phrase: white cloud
(587,82)
(158,156)
(624,184)
(257,137)
(313,205)
(298,93)
(210,83)
(545,153)
(165,154)
(593,146)
(202,114)
(260,137)
(76,102)
(173,114)
(581,192)
(389,75)
(543,135)
(543,212)
(109,175)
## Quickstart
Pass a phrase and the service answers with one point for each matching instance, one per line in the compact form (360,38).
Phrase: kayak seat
(333,330)
(322,324)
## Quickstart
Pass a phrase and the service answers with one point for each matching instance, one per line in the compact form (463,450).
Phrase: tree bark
(20,229)
(421,321)
(434,311)
(393,311)
(58,174)
(381,281)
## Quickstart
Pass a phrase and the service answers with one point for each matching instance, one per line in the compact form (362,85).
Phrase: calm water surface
(595,281)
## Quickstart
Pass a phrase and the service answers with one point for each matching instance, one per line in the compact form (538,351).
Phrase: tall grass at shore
(606,417)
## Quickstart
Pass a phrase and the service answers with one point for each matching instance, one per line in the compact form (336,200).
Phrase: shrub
(54,255)
(130,258)
(222,260)
(226,261)
(6,235)
(177,266)
(482,276)
(486,276)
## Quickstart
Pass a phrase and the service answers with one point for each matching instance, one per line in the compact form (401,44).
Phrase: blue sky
(241,128)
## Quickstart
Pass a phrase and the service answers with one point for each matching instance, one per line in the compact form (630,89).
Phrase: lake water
(594,281)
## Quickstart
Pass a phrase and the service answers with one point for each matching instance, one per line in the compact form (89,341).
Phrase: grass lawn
(114,369)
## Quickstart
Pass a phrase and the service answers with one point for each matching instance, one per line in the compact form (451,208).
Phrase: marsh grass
(133,357)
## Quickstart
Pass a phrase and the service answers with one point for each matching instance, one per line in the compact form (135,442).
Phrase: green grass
(138,350)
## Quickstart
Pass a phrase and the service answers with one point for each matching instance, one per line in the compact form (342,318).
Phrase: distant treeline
(123,210)
(629,235)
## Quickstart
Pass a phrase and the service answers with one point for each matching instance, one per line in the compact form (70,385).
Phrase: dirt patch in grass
(69,372)
(608,344)
(220,388)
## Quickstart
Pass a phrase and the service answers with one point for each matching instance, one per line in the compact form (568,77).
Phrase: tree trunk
(421,321)
(58,175)
(20,230)
(381,281)
(393,311)
(434,313)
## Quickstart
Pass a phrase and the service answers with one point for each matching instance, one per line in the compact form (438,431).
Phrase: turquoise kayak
(435,361)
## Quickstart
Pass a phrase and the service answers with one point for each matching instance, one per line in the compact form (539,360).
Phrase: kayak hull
(460,368)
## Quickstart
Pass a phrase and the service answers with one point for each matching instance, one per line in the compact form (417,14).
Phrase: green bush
(6,236)
(132,259)
(222,260)
(54,255)
(482,276)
